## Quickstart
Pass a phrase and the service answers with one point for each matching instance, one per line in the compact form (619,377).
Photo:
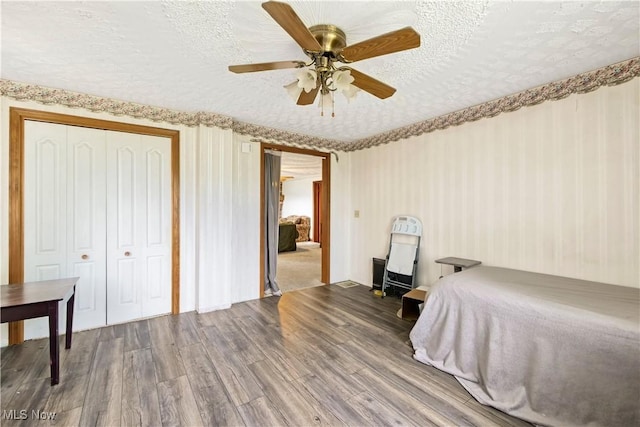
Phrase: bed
(547,349)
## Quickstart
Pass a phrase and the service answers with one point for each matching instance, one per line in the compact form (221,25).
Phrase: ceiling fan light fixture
(350,92)
(294,90)
(326,79)
(307,79)
(342,79)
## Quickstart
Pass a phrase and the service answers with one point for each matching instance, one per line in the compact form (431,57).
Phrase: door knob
(85,256)
(127,253)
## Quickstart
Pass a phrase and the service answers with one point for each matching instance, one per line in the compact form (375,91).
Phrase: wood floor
(321,356)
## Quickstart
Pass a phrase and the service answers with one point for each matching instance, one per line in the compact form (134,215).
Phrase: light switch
(356,213)
(246,147)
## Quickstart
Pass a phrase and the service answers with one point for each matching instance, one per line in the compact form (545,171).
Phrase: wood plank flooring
(320,356)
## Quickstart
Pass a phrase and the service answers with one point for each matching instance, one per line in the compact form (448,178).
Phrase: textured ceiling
(175,54)
(300,166)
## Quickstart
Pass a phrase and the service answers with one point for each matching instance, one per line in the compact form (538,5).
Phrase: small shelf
(458,263)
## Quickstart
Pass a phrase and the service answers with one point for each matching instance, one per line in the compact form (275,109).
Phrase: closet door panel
(45,201)
(125,199)
(65,217)
(45,204)
(86,223)
(128,284)
(138,226)
(157,167)
(156,273)
(125,227)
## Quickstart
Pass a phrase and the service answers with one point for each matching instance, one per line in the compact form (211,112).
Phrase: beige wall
(551,188)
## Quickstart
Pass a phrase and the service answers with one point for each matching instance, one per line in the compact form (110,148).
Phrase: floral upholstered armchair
(303,225)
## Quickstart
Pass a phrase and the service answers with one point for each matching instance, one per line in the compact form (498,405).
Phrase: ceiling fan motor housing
(331,38)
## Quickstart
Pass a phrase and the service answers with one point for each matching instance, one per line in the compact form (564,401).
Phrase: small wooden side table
(458,263)
(21,301)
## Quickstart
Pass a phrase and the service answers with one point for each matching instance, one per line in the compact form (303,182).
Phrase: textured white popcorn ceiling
(300,166)
(175,54)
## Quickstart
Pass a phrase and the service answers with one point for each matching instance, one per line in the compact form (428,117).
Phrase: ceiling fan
(326,45)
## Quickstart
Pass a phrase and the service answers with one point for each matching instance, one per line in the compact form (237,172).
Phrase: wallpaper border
(582,83)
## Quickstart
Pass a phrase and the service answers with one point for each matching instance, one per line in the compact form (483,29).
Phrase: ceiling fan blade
(307,98)
(265,66)
(285,16)
(395,41)
(371,85)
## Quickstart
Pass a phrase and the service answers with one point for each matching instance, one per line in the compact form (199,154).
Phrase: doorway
(324,197)
(299,254)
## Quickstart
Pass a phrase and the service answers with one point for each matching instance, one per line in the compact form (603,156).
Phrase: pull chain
(333,104)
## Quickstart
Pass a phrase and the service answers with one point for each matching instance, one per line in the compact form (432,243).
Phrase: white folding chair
(401,264)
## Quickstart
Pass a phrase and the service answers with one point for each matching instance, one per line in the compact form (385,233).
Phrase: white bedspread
(547,349)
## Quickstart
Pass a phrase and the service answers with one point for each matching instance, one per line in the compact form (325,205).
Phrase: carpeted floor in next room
(301,268)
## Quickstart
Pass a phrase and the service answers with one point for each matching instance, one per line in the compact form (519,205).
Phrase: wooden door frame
(317,213)
(326,198)
(17,117)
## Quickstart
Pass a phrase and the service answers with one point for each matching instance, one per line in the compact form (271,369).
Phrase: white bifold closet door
(138,226)
(98,205)
(65,216)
